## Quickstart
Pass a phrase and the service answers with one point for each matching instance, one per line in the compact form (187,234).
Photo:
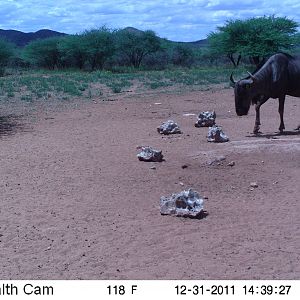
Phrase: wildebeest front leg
(259,103)
(281,111)
(257,119)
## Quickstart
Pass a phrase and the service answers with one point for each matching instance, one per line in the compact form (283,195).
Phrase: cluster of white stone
(187,203)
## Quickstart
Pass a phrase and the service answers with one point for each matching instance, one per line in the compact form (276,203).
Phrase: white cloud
(181,20)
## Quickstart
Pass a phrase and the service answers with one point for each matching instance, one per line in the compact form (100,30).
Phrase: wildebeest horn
(251,76)
(232,82)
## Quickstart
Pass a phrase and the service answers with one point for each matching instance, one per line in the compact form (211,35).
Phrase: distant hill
(196,44)
(199,44)
(132,30)
(21,39)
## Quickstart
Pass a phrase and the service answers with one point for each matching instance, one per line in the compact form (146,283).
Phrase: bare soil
(76,203)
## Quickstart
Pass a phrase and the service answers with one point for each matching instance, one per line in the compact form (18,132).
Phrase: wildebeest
(279,76)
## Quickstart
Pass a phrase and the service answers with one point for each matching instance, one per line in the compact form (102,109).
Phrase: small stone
(216,160)
(254,184)
(184,166)
(216,134)
(206,119)
(181,183)
(169,127)
(231,164)
(150,154)
(153,168)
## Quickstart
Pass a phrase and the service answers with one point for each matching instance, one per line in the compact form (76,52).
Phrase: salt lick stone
(216,134)
(169,127)
(150,154)
(187,203)
(206,119)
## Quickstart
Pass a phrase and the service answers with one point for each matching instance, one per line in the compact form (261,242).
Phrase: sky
(176,20)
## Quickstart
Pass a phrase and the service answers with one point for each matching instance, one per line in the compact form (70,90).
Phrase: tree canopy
(255,38)
(99,46)
(136,45)
(43,53)
(73,51)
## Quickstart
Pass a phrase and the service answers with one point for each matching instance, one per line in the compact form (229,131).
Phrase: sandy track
(77,203)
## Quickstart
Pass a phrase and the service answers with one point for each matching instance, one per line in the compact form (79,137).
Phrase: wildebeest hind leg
(281,111)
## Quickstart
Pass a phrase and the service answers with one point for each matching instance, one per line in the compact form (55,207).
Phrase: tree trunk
(235,63)
(238,60)
(230,56)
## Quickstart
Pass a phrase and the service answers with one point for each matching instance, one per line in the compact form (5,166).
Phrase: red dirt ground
(76,203)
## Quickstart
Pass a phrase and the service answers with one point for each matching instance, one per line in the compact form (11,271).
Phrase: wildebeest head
(244,92)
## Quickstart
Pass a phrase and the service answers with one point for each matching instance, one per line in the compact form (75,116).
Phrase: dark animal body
(279,76)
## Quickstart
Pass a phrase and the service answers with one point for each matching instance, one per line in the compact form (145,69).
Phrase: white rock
(216,134)
(169,127)
(206,119)
(187,203)
(150,154)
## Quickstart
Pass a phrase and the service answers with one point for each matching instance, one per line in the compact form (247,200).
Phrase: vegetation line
(102,61)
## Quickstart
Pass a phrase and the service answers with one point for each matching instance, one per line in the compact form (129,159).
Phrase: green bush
(44,53)
(6,52)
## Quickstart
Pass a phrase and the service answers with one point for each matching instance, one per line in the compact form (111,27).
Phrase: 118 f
(120,289)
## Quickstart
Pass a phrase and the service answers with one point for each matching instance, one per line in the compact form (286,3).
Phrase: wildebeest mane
(258,67)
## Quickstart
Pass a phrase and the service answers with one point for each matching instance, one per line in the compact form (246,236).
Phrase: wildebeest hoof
(281,127)
(256,130)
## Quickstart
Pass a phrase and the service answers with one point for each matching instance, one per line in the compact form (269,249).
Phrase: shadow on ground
(275,134)
(10,124)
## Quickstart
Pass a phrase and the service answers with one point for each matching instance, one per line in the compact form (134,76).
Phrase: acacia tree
(137,45)
(268,35)
(227,39)
(256,38)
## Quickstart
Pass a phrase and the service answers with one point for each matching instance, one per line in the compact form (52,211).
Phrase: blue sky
(177,20)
